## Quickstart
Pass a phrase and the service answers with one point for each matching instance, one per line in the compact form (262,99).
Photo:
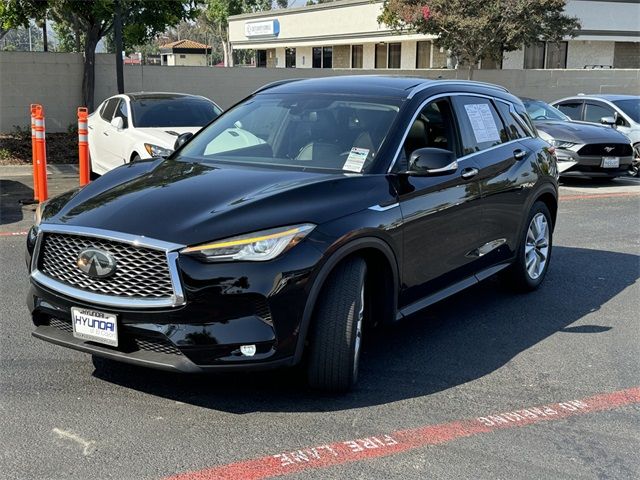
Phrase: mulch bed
(15,148)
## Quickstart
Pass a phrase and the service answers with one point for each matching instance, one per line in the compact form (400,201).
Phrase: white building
(345,34)
(185,53)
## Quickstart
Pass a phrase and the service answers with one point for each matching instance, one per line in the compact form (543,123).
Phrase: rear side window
(593,112)
(573,110)
(514,129)
(109,109)
(480,125)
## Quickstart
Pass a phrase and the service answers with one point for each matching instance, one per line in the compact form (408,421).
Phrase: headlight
(562,144)
(255,247)
(157,151)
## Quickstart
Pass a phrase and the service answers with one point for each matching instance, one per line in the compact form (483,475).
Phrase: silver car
(619,111)
(582,149)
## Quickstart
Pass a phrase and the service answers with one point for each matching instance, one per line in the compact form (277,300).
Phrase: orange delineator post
(33,108)
(83,145)
(41,155)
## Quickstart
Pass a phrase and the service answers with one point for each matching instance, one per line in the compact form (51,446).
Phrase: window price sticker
(355,160)
(482,122)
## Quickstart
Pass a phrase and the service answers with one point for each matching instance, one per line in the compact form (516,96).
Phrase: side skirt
(450,290)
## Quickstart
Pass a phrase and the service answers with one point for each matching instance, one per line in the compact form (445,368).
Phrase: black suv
(310,211)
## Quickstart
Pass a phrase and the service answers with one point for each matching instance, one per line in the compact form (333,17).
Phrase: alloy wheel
(536,250)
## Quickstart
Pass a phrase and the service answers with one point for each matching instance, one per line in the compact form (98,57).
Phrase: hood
(163,137)
(580,132)
(188,202)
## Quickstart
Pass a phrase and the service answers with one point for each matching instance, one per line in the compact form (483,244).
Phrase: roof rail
(430,83)
(275,84)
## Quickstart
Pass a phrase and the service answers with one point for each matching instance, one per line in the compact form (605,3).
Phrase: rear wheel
(135,158)
(531,265)
(336,338)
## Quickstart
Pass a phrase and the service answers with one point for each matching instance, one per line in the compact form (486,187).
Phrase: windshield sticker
(482,122)
(355,160)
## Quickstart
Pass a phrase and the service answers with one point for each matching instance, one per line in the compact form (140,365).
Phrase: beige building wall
(186,60)
(581,53)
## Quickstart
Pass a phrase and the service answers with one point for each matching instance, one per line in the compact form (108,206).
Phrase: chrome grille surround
(157,286)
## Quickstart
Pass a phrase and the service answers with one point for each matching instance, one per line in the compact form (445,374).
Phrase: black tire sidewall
(335,322)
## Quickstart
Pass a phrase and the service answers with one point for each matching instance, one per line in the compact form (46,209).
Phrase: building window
(534,55)
(423,54)
(394,55)
(290,57)
(183,56)
(327,57)
(557,55)
(317,57)
(381,55)
(356,56)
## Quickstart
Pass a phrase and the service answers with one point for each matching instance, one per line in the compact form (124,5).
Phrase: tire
(136,158)
(525,279)
(339,315)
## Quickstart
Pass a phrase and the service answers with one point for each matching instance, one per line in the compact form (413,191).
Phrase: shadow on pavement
(598,183)
(456,341)
(11,192)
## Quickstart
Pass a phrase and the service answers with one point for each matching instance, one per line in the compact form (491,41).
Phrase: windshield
(334,132)
(631,107)
(163,112)
(539,110)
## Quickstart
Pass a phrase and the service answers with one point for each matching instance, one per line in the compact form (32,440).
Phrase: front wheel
(336,335)
(534,252)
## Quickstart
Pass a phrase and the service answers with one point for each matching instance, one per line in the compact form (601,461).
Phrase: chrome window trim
(517,118)
(442,95)
(170,249)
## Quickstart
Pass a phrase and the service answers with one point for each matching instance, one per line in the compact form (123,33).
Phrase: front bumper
(227,305)
(588,166)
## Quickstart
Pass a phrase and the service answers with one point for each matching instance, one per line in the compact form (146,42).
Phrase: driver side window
(434,127)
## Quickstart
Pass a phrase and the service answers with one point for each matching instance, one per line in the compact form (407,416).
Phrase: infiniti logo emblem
(609,149)
(96,263)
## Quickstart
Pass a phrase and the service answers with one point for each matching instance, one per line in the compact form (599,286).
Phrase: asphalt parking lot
(486,384)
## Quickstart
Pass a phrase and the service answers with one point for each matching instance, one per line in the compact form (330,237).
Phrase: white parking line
(88,446)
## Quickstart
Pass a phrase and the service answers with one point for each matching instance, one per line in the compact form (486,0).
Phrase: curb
(27,170)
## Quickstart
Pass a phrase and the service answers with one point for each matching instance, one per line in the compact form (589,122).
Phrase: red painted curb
(12,234)
(338,453)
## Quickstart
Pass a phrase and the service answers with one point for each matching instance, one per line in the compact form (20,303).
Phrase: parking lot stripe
(12,234)
(599,195)
(383,445)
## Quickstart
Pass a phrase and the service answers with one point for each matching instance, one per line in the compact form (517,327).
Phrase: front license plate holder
(610,162)
(95,326)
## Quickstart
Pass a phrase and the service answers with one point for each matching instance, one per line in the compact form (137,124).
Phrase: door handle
(105,134)
(519,154)
(469,173)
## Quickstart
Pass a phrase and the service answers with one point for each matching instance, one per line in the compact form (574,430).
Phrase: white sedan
(133,126)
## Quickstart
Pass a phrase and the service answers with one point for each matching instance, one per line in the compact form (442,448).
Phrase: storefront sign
(267,28)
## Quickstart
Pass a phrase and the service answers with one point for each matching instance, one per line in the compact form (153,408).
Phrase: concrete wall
(54,80)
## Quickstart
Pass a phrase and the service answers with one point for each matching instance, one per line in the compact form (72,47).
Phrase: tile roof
(185,44)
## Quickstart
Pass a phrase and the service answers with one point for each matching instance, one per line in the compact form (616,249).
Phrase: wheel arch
(381,264)
(551,201)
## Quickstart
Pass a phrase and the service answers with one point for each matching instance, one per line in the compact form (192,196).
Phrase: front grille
(141,272)
(61,325)
(157,345)
(600,150)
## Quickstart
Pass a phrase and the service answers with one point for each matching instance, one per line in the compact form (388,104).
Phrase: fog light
(248,350)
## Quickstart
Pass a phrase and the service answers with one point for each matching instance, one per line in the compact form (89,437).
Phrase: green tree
(94,18)
(18,13)
(482,29)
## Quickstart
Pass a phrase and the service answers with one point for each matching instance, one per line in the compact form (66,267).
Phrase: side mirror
(431,162)
(182,139)
(611,121)
(117,123)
